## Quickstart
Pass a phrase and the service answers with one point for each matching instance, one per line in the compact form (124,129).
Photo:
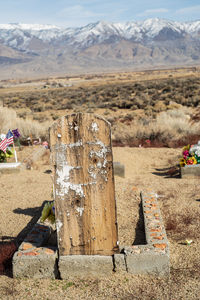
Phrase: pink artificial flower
(185,153)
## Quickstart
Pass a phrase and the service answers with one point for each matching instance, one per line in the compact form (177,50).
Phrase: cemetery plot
(85,212)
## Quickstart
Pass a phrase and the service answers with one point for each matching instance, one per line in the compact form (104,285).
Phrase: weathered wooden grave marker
(84,185)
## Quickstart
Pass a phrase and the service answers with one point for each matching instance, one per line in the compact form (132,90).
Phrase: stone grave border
(6,168)
(190,171)
(32,260)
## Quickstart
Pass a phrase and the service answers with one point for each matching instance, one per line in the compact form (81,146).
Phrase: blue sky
(78,13)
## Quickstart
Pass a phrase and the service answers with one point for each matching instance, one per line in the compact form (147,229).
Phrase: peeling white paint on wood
(94,127)
(63,180)
(59,225)
(80,210)
(77,144)
(102,152)
(99,165)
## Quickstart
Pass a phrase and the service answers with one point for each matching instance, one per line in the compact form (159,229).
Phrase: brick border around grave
(152,258)
(35,261)
(32,260)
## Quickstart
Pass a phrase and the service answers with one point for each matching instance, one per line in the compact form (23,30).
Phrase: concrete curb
(152,258)
(85,265)
(34,260)
(190,171)
(7,168)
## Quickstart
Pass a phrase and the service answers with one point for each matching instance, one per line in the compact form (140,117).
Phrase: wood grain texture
(84,185)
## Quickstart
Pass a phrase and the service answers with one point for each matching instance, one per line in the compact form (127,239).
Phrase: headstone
(85,204)
(190,171)
(119,169)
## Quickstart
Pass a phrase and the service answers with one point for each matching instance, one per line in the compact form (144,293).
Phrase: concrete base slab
(85,265)
(120,262)
(190,171)
(148,263)
(35,264)
(7,168)
(33,260)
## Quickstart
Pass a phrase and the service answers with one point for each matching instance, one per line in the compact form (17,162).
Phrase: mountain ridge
(139,44)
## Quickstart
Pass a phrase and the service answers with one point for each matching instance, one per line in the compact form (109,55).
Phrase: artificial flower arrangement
(48,212)
(190,155)
(4,155)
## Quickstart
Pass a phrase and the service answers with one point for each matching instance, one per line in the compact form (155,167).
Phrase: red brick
(151,206)
(31,253)
(153,234)
(48,251)
(27,246)
(155,230)
(161,237)
(160,246)
(150,202)
(149,217)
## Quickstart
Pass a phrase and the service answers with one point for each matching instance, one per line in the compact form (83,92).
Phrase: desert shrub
(177,121)
(68,105)
(181,224)
(124,104)
(168,126)
(139,103)
(55,117)
(167,89)
(159,106)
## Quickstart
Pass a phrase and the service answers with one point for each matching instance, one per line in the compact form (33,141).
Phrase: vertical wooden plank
(84,185)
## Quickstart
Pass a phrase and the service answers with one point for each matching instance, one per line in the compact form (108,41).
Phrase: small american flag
(9,137)
(3,145)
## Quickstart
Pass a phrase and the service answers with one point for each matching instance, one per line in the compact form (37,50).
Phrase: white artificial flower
(2,136)
(197,152)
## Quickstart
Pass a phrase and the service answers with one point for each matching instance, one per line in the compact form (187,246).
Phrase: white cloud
(77,15)
(188,10)
(78,11)
(156,11)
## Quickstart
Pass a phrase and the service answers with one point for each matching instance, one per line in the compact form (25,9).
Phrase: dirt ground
(22,195)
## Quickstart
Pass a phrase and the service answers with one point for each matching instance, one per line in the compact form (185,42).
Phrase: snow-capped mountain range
(101,45)
(20,35)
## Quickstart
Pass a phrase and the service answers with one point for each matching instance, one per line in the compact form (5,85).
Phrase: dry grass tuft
(168,127)
(9,120)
